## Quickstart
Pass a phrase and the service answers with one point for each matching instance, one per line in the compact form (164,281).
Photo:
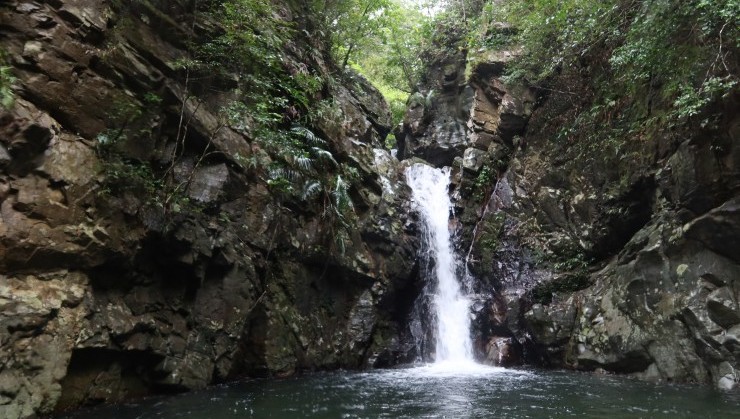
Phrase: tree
(393,56)
(353,24)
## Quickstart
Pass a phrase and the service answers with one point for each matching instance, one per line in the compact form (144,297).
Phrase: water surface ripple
(436,391)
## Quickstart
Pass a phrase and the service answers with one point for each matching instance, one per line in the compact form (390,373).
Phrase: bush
(683,54)
(7,97)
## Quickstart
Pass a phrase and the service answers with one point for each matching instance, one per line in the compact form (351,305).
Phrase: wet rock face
(107,294)
(454,116)
(666,311)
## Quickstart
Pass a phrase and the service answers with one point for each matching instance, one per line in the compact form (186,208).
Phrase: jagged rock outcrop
(106,293)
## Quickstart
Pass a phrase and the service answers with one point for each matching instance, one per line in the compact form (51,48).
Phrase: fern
(308,135)
(310,190)
(7,97)
(341,242)
(324,155)
(284,173)
(342,200)
(304,163)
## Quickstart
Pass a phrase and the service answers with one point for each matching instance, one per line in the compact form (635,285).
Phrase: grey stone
(722,307)
(208,182)
(474,159)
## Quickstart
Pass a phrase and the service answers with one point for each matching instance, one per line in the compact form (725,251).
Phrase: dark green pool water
(429,392)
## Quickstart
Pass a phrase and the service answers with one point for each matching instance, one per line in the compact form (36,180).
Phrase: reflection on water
(436,391)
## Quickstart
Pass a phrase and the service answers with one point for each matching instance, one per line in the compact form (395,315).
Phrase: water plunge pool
(435,391)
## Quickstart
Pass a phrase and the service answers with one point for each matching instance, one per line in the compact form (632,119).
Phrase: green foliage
(394,57)
(353,25)
(128,120)
(576,262)
(396,99)
(137,179)
(251,49)
(466,10)
(483,183)
(683,54)
(123,114)
(7,97)
(123,175)
(252,36)
(489,239)
(152,99)
(572,264)
(390,141)
(386,40)
(278,99)
(304,170)
(326,112)
(381,40)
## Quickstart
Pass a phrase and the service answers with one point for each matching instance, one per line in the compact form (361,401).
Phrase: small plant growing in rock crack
(483,183)
(544,293)
(573,274)
(492,231)
(7,97)
(122,120)
(123,175)
(130,120)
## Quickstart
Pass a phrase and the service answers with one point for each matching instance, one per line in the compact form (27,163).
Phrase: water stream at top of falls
(452,308)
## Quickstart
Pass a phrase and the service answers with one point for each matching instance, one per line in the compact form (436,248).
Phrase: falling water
(452,308)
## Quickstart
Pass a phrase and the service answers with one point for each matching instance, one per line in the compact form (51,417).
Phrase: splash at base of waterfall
(457,368)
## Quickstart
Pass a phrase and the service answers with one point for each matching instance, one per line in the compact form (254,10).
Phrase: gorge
(199,193)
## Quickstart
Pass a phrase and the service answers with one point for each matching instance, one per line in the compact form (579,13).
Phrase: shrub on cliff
(6,81)
(680,56)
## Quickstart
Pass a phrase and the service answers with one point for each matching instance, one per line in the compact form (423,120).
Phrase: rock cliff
(619,256)
(658,223)
(169,263)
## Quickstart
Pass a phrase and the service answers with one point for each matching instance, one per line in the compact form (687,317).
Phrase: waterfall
(451,308)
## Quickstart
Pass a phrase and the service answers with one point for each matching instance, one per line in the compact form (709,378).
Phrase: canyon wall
(115,283)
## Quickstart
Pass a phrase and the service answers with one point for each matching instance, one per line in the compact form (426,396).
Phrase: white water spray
(430,194)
